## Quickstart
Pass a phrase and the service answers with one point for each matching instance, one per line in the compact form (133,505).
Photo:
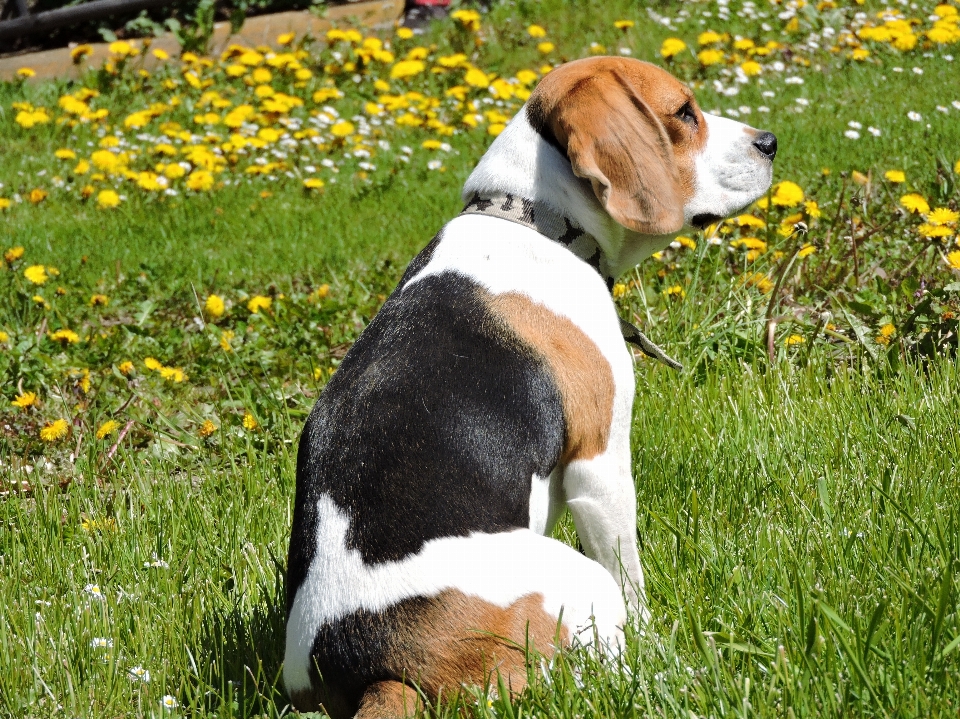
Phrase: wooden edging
(260,30)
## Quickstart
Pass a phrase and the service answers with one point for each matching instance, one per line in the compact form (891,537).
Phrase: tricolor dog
(492,391)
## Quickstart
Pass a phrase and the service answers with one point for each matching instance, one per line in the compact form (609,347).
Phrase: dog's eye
(686,113)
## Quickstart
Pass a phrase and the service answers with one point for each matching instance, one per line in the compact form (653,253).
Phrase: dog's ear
(613,139)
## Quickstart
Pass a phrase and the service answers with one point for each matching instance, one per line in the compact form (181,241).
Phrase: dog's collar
(559,228)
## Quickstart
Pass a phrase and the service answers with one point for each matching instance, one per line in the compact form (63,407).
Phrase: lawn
(189,253)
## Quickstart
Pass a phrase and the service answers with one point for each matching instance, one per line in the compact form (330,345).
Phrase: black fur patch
(432,426)
(537,117)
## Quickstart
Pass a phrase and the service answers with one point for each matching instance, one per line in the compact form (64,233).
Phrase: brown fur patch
(616,120)
(439,644)
(389,700)
(454,639)
(582,373)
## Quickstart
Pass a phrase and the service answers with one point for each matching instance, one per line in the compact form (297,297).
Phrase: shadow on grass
(238,664)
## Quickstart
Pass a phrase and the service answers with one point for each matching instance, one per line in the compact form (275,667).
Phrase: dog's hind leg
(388,700)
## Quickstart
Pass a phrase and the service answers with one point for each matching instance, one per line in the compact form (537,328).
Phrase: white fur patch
(498,568)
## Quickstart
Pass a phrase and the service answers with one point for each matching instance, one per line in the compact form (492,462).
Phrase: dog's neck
(545,220)
(520,163)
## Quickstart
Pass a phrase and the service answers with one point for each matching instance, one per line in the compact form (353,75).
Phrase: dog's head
(656,163)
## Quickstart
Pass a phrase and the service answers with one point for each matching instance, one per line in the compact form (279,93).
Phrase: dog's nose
(766,142)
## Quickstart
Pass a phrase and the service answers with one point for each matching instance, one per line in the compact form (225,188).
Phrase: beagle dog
(492,391)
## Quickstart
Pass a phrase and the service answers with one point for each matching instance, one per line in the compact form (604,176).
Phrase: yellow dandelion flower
(4,203)
(161,54)
(99,300)
(404,33)
(25,399)
(794,340)
(81,168)
(286,38)
(249,421)
(536,31)
(750,221)
(915,203)
(313,183)
(123,49)
(546,47)
(80,52)
(758,280)
(953,259)
(623,24)
(65,336)
(3,336)
(200,180)
(65,154)
(710,57)
(750,243)
(152,364)
(55,430)
(470,19)
(407,68)
(259,302)
(932,231)
(885,334)
(26,72)
(687,242)
(812,209)
(207,428)
(108,199)
(13,254)
(675,291)
(214,306)
(37,274)
(174,374)
(619,290)
(895,176)
(943,216)
(709,38)
(225,338)
(476,78)
(342,129)
(806,250)
(787,194)
(751,68)
(107,428)
(37,195)
(125,367)
(672,47)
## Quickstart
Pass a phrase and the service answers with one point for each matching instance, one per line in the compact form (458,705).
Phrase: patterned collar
(562,229)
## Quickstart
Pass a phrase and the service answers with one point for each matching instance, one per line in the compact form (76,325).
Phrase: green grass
(797,509)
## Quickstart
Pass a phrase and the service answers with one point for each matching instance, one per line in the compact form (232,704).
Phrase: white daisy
(138,674)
